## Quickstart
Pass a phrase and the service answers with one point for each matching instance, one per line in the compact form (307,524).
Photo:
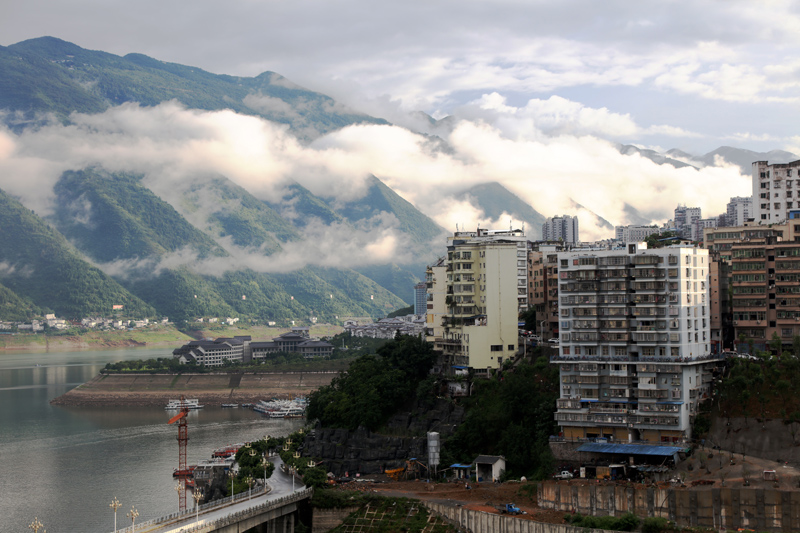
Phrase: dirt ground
(480,497)
(734,469)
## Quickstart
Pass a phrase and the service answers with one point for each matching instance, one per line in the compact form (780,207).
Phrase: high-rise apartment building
(561,228)
(634,357)
(633,233)
(485,279)
(765,299)
(739,211)
(685,218)
(420,299)
(543,287)
(775,191)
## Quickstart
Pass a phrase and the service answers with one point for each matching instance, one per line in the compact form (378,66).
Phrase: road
(280,483)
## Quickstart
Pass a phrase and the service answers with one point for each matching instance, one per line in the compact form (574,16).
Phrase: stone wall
(728,508)
(326,519)
(364,452)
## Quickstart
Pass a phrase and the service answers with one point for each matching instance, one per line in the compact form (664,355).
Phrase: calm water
(65,464)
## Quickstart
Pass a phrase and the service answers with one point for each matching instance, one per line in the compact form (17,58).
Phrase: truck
(509,508)
(564,474)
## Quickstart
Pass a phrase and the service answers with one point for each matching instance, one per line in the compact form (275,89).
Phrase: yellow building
(485,280)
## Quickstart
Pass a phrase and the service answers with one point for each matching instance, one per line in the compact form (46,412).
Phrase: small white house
(489,467)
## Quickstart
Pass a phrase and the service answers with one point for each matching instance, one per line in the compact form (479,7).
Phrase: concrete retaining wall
(480,522)
(326,519)
(729,508)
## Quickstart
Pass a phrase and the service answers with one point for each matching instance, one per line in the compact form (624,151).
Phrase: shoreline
(159,336)
(147,390)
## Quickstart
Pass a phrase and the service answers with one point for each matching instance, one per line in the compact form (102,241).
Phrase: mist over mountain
(179,192)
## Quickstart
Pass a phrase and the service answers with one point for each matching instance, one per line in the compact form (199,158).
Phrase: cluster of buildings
(642,330)
(50,321)
(387,328)
(242,349)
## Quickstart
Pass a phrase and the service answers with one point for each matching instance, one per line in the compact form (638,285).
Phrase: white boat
(288,412)
(230,405)
(180,404)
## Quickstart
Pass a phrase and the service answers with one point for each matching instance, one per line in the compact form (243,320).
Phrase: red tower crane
(183,440)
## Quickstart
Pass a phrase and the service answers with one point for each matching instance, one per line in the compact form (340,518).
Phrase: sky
(538,94)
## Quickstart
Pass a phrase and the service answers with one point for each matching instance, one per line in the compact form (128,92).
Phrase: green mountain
(120,220)
(15,308)
(299,206)
(39,265)
(50,75)
(238,214)
(113,216)
(379,199)
(494,200)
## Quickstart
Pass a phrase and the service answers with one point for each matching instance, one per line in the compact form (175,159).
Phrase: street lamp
(249,480)
(133,514)
(197,495)
(115,505)
(36,525)
(178,489)
(232,475)
(264,463)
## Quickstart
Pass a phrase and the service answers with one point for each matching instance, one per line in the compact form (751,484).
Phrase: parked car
(536,338)
(564,474)
(554,340)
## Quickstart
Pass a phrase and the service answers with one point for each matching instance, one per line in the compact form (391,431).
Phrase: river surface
(64,465)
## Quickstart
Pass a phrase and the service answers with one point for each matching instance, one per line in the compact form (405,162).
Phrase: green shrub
(655,524)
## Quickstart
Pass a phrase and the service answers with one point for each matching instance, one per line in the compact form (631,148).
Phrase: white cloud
(551,170)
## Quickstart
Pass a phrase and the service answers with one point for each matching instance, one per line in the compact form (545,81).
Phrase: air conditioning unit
(735,322)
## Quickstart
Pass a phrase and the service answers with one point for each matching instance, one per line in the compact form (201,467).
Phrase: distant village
(59,324)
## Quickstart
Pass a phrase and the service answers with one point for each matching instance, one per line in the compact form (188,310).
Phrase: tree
(315,477)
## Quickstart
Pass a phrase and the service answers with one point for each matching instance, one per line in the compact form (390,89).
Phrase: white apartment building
(564,228)
(775,191)
(740,210)
(685,218)
(634,233)
(485,279)
(634,356)
(436,293)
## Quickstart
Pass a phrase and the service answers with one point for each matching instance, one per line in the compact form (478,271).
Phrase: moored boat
(230,405)
(180,404)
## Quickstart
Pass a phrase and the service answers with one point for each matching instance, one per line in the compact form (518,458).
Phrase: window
(496,347)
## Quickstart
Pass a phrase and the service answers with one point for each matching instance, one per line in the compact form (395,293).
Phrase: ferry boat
(230,405)
(288,412)
(189,472)
(178,404)
(227,451)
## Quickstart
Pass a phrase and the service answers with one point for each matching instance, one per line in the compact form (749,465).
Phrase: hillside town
(642,322)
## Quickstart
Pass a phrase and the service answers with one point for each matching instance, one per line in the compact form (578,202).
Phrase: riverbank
(211,389)
(151,337)
(154,336)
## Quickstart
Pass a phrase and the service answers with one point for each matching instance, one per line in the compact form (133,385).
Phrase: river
(64,465)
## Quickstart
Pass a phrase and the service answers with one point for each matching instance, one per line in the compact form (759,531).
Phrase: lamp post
(264,463)
(36,525)
(249,480)
(291,473)
(197,495)
(232,475)
(178,489)
(133,514)
(115,505)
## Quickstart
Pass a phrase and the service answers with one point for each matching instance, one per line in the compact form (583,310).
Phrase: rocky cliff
(362,451)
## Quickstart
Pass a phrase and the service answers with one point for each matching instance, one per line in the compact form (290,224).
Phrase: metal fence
(217,504)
